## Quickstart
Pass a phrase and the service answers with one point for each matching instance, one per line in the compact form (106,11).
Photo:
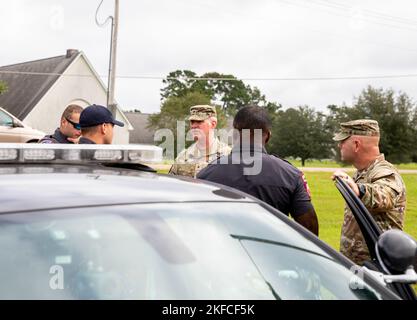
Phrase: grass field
(328,164)
(329,205)
(334,164)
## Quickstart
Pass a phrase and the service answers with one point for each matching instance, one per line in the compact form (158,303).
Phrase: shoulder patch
(306,187)
(46,140)
(381,172)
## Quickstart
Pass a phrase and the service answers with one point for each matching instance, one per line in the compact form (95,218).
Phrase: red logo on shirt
(306,187)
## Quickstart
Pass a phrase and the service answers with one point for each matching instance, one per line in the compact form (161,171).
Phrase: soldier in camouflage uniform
(207,148)
(376,182)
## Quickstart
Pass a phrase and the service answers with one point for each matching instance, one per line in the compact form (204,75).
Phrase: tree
(300,132)
(396,117)
(3,87)
(180,82)
(229,94)
(176,109)
(184,88)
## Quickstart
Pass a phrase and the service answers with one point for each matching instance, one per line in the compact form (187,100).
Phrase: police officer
(275,181)
(97,125)
(376,182)
(69,129)
(206,148)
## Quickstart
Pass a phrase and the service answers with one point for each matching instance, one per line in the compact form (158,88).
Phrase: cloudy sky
(280,43)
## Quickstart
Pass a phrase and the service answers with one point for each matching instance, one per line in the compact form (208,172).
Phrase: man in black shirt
(69,130)
(251,169)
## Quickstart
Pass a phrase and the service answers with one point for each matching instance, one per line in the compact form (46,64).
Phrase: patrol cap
(202,112)
(361,127)
(95,115)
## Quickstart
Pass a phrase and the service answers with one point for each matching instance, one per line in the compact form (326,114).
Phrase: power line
(108,19)
(233,13)
(376,14)
(317,5)
(139,77)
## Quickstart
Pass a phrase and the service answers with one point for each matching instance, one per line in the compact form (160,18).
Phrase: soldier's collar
(380,158)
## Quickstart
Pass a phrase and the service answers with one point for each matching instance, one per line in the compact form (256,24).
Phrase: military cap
(202,112)
(362,127)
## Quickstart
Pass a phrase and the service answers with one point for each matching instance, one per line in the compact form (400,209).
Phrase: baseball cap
(202,112)
(361,127)
(95,115)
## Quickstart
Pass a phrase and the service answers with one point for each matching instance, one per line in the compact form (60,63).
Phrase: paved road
(305,169)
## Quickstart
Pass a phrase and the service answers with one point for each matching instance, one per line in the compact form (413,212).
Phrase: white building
(39,91)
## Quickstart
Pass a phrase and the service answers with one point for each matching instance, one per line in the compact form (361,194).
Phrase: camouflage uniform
(384,197)
(190,161)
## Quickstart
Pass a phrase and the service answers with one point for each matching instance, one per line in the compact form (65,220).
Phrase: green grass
(329,164)
(329,205)
(407,166)
(334,164)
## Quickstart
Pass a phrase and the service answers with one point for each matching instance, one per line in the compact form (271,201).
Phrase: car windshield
(209,250)
(5,119)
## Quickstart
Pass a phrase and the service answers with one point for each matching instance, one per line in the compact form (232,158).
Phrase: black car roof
(43,186)
(33,187)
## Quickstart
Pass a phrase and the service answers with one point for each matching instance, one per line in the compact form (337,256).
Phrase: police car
(92,222)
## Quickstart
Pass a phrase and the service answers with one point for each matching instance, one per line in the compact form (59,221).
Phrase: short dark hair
(72,108)
(252,117)
(90,130)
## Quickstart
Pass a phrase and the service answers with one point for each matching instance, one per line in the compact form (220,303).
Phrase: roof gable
(141,133)
(26,89)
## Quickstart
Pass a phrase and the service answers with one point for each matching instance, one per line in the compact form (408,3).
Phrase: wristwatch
(362,190)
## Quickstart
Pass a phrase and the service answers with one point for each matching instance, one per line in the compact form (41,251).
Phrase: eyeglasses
(74,124)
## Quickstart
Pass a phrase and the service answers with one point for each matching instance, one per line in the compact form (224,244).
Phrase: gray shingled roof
(140,134)
(25,90)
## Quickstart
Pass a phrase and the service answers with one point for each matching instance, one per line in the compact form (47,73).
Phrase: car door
(371,232)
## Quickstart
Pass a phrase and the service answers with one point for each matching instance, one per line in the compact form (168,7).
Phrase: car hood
(39,187)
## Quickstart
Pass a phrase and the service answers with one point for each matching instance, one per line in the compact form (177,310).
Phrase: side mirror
(17,124)
(397,252)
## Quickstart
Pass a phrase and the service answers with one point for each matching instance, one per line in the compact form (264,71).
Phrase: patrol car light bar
(55,153)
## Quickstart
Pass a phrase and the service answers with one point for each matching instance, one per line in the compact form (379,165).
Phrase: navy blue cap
(95,115)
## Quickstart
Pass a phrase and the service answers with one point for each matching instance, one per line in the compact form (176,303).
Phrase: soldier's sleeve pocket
(391,181)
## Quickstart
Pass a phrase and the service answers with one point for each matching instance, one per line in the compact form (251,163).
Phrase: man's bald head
(359,150)
(367,143)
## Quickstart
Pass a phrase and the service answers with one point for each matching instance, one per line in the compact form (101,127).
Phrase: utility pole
(111,103)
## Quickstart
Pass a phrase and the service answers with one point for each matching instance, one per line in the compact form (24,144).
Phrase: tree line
(301,131)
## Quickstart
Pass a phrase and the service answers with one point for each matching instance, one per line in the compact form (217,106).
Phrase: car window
(298,274)
(5,119)
(163,251)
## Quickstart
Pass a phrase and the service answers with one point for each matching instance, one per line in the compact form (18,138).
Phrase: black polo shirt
(278,183)
(57,137)
(85,141)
